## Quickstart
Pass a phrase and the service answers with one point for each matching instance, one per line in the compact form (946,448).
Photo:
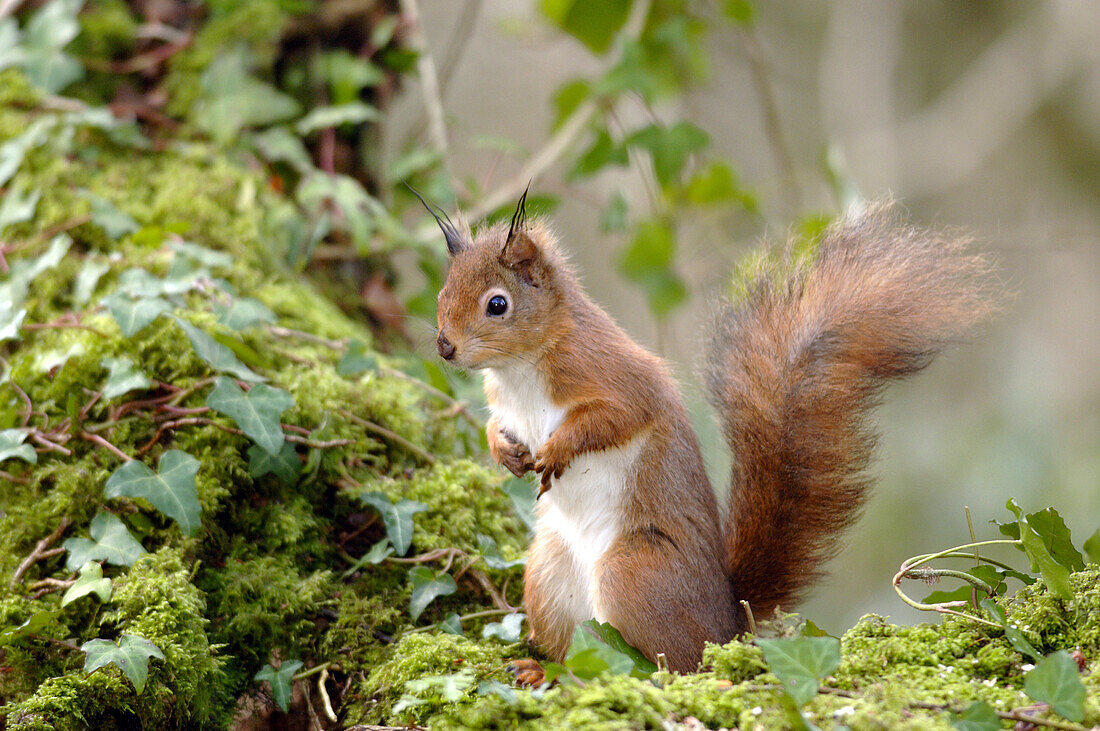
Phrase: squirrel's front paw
(513,455)
(551,461)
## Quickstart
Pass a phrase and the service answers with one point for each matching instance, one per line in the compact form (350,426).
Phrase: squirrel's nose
(444,346)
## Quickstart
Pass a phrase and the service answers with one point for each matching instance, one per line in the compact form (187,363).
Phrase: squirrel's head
(499,303)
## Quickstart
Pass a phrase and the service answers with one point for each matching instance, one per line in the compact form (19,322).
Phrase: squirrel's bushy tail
(797,365)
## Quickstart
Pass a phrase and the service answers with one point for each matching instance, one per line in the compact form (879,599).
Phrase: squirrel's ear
(520,254)
(456,242)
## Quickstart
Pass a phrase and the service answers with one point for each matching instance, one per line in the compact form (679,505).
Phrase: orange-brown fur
(793,371)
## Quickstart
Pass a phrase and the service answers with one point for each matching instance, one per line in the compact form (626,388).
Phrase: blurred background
(981,116)
(666,139)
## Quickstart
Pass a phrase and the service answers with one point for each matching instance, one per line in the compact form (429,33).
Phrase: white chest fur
(583,505)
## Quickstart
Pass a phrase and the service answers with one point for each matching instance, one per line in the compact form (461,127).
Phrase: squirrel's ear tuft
(520,253)
(519,218)
(456,242)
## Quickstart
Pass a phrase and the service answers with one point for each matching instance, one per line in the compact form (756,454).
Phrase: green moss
(736,661)
(422,654)
(263,603)
(255,25)
(260,580)
(15,91)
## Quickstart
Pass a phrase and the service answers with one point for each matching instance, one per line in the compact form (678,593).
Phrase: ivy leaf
(256,412)
(1092,547)
(110,542)
(244,313)
(669,147)
(281,681)
(357,360)
(810,629)
(140,284)
(327,117)
(1055,575)
(1055,534)
(522,495)
(376,555)
(201,255)
(614,216)
(715,185)
(960,594)
(608,635)
(490,553)
(91,581)
(171,489)
(426,586)
(568,97)
(233,99)
(285,465)
(122,377)
(499,689)
(13,152)
(592,22)
(398,518)
(17,207)
(132,315)
(34,624)
(87,279)
(648,261)
(1015,637)
(279,144)
(114,222)
(11,319)
(977,717)
(12,446)
(216,355)
(451,624)
(1056,681)
(508,629)
(14,289)
(47,32)
(346,74)
(800,663)
(602,153)
(131,655)
(450,688)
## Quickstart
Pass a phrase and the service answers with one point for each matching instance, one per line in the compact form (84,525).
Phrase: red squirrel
(629,530)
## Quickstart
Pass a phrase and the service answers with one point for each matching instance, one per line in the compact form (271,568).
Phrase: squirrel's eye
(497,306)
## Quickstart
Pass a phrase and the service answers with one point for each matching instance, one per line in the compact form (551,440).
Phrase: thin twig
(558,144)
(286,332)
(318,445)
(459,406)
(1013,715)
(456,48)
(751,618)
(773,128)
(392,436)
(96,439)
(39,551)
(54,641)
(498,600)
(429,80)
(50,446)
(326,704)
(26,400)
(464,617)
(312,671)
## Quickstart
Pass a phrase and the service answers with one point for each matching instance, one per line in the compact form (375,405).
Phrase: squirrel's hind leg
(661,601)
